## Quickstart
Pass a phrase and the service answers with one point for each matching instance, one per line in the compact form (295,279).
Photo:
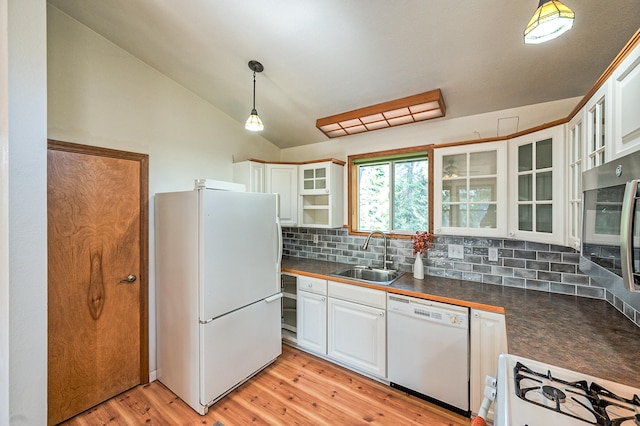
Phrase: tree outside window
(393,193)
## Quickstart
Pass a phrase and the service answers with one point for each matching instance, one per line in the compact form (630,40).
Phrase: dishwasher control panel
(443,313)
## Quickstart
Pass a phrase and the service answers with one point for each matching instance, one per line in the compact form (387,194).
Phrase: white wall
(101,95)
(4,216)
(23,213)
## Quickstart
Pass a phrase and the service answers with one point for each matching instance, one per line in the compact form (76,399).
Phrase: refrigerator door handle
(273,298)
(280,248)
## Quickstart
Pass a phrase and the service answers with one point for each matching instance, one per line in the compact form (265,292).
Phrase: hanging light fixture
(253,122)
(550,20)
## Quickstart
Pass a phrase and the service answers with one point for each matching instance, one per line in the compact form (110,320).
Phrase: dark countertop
(576,333)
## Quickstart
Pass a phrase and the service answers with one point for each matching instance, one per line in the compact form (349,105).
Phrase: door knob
(130,278)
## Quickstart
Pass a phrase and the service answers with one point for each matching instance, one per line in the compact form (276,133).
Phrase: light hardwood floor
(297,389)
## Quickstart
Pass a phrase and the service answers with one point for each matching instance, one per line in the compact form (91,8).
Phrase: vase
(418,267)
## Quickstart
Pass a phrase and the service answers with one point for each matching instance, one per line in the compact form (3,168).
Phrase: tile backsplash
(536,266)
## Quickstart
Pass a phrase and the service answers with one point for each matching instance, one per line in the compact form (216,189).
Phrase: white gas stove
(532,393)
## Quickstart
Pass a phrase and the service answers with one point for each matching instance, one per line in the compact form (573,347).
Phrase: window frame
(352,184)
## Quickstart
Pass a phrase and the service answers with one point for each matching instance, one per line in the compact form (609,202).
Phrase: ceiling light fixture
(411,109)
(450,171)
(550,20)
(253,122)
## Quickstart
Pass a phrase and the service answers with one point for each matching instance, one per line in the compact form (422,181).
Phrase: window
(390,192)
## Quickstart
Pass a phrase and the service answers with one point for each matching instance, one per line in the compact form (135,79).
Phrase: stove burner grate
(594,398)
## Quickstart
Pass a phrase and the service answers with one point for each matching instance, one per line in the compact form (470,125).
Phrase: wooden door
(97,238)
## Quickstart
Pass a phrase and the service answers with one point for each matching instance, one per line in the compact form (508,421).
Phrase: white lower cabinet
(311,313)
(488,341)
(357,332)
(312,322)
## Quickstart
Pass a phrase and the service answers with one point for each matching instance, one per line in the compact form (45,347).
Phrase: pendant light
(253,122)
(550,20)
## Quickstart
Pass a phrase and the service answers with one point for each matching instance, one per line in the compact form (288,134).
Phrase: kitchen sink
(368,274)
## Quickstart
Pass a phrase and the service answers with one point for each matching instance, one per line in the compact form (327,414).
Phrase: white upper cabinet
(470,196)
(251,174)
(321,188)
(282,179)
(315,178)
(575,152)
(625,83)
(536,191)
(597,128)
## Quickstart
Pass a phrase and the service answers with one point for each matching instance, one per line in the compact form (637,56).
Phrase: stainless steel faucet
(384,236)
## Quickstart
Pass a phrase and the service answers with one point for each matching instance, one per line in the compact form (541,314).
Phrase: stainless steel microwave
(611,219)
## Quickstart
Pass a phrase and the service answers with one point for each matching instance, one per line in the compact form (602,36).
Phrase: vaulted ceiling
(324,57)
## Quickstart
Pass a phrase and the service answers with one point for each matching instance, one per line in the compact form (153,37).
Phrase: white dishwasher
(428,350)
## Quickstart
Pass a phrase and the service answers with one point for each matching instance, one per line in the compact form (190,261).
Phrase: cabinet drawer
(313,285)
(357,294)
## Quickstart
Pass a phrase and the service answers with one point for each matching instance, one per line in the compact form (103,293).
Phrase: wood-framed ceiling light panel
(424,106)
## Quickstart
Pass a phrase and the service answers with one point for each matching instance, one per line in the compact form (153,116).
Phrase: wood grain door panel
(95,320)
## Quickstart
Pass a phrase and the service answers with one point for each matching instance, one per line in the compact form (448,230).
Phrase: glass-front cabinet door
(314,178)
(536,198)
(597,125)
(469,189)
(575,152)
(597,128)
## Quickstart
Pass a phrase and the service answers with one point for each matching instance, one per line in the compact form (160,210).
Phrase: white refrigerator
(218,294)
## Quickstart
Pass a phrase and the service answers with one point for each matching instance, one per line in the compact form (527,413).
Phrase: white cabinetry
(536,200)
(320,188)
(282,179)
(626,94)
(250,173)
(598,118)
(357,328)
(470,189)
(312,314)
(575,166)
(488,341)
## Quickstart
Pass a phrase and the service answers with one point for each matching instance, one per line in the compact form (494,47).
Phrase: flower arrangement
(422,241)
